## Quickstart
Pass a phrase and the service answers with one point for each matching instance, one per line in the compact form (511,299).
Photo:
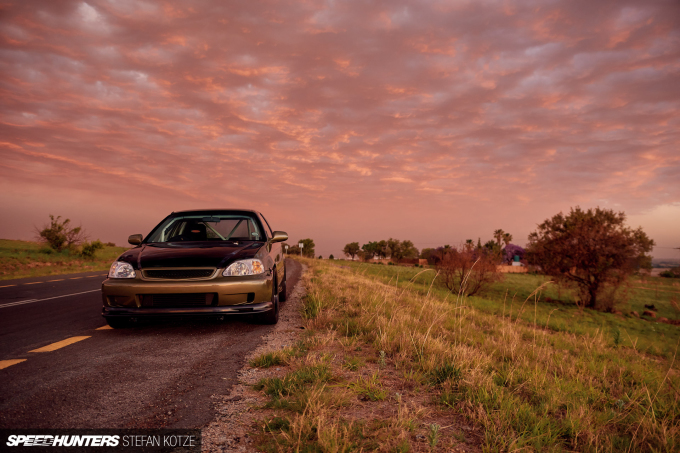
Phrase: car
(213,262)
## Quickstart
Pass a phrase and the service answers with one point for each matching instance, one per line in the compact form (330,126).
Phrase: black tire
(118,323)
(271,316)
(283,295)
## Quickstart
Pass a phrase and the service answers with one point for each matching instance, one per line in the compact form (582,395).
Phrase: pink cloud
(324,113)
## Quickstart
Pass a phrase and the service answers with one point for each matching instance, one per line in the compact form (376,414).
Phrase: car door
(275,251)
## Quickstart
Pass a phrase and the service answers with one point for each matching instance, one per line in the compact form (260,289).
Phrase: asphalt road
(158,374)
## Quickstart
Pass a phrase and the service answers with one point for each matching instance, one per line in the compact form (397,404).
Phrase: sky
(341,121)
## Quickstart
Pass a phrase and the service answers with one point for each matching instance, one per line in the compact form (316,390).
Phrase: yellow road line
(90,276)
(5,363)
(74,278)
(59,344)
(32,283)
(7,286)
(104,328)
(59,280)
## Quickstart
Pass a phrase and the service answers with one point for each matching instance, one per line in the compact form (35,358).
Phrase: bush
(671,273)
(90,248)
(466,270)
(59,235)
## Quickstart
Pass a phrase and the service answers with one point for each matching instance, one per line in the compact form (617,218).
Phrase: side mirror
(279,236)
(135,239)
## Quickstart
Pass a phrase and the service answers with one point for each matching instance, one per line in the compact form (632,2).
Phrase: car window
(219,227)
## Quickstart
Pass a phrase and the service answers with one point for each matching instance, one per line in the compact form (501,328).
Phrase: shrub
(466,270)
(671,273)
(90,248)
(59,235)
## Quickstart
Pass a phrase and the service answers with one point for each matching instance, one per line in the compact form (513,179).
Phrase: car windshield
(215,227)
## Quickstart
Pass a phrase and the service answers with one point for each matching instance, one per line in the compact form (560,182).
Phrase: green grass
(295,381)
(369,388)
(19,259)
(436,363)
(270,359)
(555,309)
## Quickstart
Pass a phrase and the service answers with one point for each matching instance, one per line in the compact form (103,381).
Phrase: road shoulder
(237,412)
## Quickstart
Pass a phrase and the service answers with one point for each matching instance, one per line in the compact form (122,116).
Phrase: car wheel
(118,323)
(283,296)
(271,316)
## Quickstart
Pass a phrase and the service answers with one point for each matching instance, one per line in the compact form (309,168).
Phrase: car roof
(201,211)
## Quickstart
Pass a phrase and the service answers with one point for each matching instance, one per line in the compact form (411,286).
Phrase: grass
(20,259)
(555,308)
(388,367)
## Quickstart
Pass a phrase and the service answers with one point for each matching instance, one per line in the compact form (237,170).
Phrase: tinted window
(216,227)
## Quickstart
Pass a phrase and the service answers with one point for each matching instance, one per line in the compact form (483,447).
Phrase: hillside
(389,363)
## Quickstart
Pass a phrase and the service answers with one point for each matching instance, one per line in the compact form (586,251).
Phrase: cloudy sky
(435,121)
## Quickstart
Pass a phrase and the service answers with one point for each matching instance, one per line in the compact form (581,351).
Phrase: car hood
(189,255)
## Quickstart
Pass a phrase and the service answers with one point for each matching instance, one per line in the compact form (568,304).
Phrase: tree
(370,250)
(594,249)
(466,270)
(408,250)
(307,247)
(498,235)
(401,249)
(382,249)
(351,249)
(331,257)
(492,247)
(427,254)
(394,246)
(320,257)
(59,234)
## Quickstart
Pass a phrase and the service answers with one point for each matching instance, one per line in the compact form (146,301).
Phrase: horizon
(435,122)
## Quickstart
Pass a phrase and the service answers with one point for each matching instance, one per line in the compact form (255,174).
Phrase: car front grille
(178,300)
(178,274)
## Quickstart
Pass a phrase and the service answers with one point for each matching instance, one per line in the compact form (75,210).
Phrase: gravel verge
(237,412)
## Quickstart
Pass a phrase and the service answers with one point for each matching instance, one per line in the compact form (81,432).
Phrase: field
(20,259)
(556,308)
(388,363)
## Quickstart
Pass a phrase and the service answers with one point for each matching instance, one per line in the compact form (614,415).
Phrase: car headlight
(244,267)
(121,269)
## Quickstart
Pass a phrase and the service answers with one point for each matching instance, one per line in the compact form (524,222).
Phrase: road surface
(62,367)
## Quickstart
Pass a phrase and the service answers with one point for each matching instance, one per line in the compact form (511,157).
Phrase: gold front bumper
(225,292)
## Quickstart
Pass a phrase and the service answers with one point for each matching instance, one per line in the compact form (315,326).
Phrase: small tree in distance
(593,249)
(59,235)
(307,247)
(351,249)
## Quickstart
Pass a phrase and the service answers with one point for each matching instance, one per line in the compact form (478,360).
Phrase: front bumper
(112,312)
(227,296)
